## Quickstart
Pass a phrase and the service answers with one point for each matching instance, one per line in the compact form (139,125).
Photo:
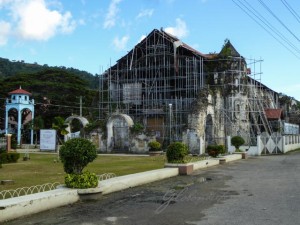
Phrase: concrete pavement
(261,190)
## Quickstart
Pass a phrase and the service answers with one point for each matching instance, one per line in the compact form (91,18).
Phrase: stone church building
(177,93)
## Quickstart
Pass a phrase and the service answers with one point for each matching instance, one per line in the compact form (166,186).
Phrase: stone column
(19,126)
(8,142)
(258,145)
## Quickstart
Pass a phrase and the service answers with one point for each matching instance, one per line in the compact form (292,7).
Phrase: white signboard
(48,140)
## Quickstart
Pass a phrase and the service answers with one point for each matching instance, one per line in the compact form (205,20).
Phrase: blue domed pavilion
(19,100)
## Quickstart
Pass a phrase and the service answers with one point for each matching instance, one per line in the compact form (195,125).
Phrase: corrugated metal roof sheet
(273,114)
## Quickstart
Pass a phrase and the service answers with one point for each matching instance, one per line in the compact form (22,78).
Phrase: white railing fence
(42,188)
(266,144)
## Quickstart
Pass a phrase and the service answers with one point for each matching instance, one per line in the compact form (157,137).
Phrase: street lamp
(170,122)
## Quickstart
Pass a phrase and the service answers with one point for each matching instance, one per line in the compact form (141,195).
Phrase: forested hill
(56,93)
(11,68)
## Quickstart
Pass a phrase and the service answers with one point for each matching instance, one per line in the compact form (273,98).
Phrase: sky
(91,35)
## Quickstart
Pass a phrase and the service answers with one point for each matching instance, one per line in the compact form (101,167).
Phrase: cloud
(180,30)
(67,24)
(145,13)
(142,37)
(5,2)
(110,18)
(120,44)
(34,20)
(4,32)
(37,22)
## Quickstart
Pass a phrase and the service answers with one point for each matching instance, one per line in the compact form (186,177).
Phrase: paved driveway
(259,191)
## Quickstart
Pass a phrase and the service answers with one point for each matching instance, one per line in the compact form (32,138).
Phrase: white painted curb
(26,205)
(205,164)
(133,180)
(233,157)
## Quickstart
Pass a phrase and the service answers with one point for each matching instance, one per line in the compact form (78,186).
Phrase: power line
(66,106)
(292,11)
(270,26)
(273,14)
(270,29)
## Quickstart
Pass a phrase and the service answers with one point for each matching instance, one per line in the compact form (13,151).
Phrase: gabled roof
(229,50)
(273,114)
(170,38)
(184,45)
(19,91)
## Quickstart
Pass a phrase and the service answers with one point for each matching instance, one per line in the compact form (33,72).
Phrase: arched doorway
(79,131)
(118,132)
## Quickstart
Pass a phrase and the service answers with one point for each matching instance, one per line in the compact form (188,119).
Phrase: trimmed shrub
(81,181)
(14,142)
(215,150)
(2,150)
(9,157)
(76,153)
(176,152)
(237,141)
(14,157)
(3,158)
(137,128)
(154,146)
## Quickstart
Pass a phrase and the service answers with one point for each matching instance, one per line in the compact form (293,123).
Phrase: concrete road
(258,191)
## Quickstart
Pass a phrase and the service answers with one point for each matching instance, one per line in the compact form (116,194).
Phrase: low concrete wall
(133,180)
(205,163)
(25,205)
(233,157)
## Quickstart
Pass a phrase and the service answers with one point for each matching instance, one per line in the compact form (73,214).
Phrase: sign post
(47,140)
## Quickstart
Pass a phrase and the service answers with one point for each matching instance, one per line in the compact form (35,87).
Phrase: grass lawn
(41,168)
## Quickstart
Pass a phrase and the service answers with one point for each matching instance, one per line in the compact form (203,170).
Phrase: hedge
(215,150)
(9,157)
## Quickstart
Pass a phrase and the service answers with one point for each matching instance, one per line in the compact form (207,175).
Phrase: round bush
(76,153)
(176,152)
(81,181)
(215,150)
(154,146)
(237,141)
(9,157)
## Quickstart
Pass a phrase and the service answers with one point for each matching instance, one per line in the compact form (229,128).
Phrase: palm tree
(60,127)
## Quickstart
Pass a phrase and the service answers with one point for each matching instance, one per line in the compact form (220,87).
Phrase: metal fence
(28,190)
(42,188)
(106,176)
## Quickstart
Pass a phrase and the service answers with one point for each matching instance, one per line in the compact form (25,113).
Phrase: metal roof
(19,91)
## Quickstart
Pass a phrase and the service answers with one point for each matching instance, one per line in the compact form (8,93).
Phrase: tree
(76,153)
(237,141)
(60,127)
(54,91)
